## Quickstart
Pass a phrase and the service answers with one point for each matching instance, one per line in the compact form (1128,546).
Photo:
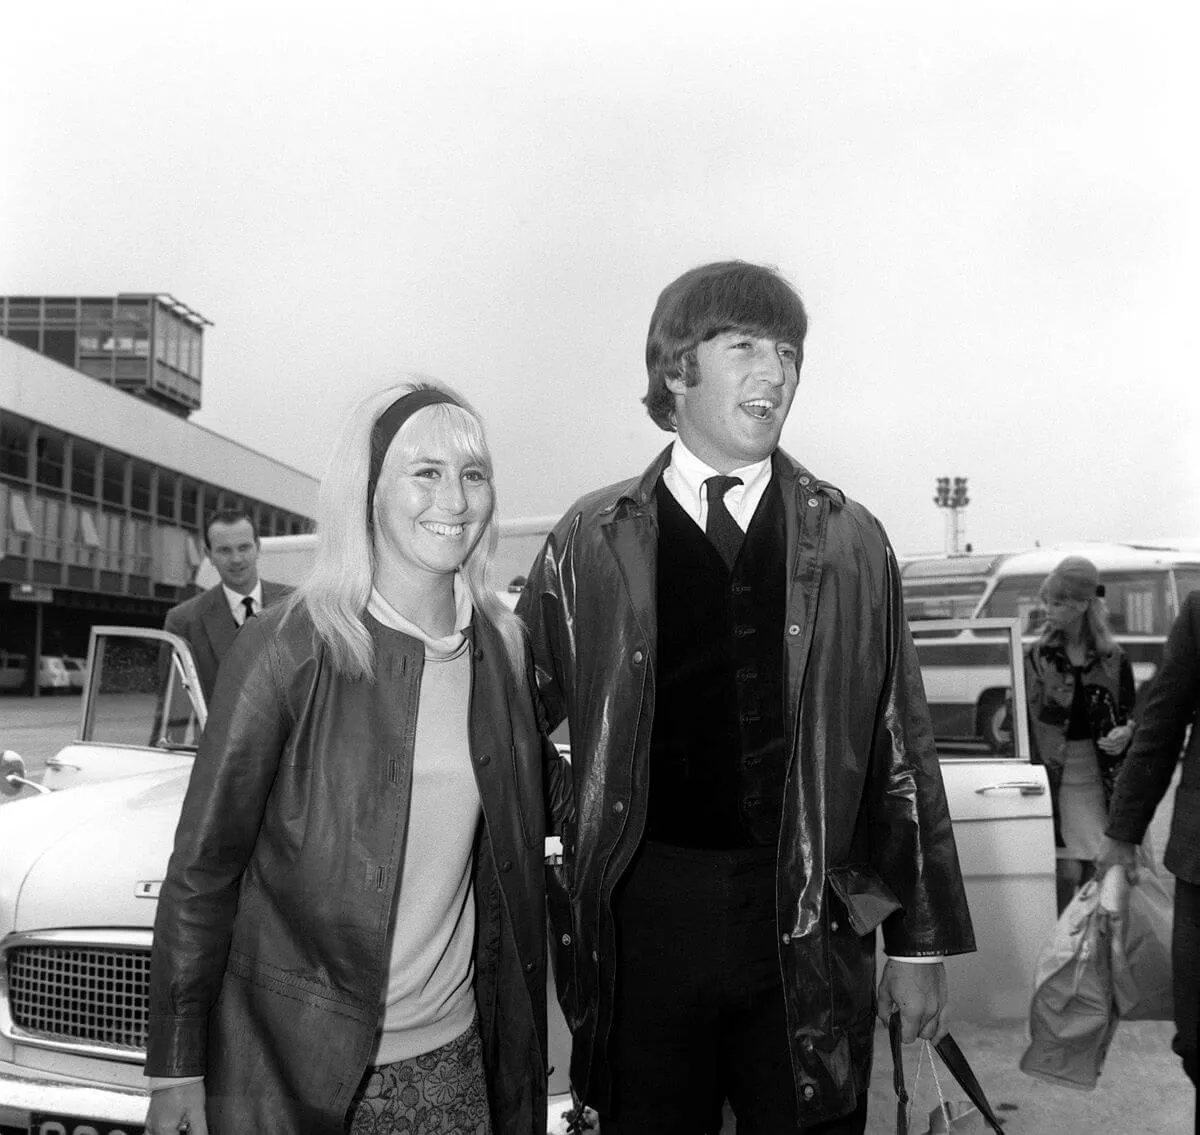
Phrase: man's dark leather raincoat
(865,836)
(272,940)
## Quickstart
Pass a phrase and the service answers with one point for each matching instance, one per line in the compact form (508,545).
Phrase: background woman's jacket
(866,836)
(1050,688)
(271,943)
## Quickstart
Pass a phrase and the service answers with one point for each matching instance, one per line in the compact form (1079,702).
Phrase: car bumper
(23,1092)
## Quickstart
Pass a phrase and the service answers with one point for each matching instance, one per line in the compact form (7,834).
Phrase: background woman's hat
(1078,577)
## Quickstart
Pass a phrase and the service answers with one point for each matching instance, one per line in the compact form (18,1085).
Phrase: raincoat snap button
(479,653)
(805,480)
(530,967)
(484,759)
(638,656)
(595,955)
(786,939)
(833,926)
(812,502)
(808,1091)
(794,629)
(506,865)
(566,939)
(619,806)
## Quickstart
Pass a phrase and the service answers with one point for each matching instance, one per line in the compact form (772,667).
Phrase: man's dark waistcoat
(718,754)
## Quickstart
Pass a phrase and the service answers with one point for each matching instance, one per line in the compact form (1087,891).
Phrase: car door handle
(54,762)
(1025,787)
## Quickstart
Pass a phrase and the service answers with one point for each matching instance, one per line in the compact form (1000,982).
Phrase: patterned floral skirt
(442,1092)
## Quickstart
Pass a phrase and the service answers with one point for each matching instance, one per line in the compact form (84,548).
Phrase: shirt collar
(234,599)
(692,473)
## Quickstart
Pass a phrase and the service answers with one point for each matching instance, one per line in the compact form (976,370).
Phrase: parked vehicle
(82,859)
(53,675)
(946,587)
(14,669)
(76,671)
(966,675)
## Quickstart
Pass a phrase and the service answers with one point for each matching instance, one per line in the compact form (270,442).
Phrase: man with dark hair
(755,782)
(210,621)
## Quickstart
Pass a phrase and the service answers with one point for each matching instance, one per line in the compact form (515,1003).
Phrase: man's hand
(1117,853)
(918,991)
(177,1109)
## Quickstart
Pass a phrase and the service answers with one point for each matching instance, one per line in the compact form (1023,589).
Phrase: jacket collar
(636,495)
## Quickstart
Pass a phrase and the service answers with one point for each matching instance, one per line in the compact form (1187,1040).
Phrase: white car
(81,862)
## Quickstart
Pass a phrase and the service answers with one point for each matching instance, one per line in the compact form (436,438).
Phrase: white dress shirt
(234,599)
(685,477)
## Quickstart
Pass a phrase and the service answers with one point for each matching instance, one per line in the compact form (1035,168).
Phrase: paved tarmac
(1142,1090)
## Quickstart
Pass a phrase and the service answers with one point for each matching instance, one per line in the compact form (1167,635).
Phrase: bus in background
(946,586)
(1144,587)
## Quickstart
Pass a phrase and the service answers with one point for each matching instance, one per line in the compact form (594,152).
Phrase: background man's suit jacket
(206,623)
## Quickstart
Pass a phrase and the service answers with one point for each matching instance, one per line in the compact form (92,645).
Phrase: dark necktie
(248,603)
(721,528)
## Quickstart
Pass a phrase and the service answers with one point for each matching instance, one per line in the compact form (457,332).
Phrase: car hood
(75,859)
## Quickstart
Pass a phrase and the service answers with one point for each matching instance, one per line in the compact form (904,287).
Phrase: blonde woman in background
(351,935)
(1081,693)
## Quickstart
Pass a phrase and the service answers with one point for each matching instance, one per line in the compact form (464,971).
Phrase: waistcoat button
(566,939)
(794,629)
(638,656)
(506,865)
(812,502)
(808,1091)
(484,759)
(619,807)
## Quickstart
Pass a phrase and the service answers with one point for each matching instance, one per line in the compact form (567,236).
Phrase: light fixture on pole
(952,496)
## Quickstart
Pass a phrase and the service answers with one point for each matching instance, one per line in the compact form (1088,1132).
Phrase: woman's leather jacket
(865,837)
(272,939)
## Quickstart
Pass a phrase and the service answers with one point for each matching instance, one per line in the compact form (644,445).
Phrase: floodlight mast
(951,496)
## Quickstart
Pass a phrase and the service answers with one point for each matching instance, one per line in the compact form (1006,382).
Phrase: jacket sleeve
(222,812)
(540,607)
(912,844)
(1172,705)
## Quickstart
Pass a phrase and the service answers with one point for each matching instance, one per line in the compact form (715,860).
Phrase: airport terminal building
(104,483)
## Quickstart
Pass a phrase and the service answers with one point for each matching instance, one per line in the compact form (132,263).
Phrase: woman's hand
(1116,740)
(173,1110)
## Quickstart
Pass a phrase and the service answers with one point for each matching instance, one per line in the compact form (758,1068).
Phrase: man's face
(234,553)
(734,414)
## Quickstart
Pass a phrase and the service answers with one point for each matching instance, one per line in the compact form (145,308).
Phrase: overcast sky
(989,208)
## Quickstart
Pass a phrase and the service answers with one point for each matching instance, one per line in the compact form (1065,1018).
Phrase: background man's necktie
(248,603)
(720,527)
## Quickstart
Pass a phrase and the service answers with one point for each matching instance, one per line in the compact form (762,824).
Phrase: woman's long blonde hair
(339,585)
(1096,629)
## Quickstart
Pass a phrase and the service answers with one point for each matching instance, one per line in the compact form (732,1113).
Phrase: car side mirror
(12,775)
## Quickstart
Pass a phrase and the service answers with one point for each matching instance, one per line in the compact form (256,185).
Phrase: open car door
(142,709)
(1001,811)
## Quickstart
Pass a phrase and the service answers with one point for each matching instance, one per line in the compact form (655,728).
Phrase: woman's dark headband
(387,426)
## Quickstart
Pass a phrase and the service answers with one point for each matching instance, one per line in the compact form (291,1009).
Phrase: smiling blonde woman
(351,934)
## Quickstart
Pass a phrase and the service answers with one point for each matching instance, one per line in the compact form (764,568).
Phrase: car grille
(92,995)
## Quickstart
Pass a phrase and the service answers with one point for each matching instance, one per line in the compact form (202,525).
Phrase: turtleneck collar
(445,647)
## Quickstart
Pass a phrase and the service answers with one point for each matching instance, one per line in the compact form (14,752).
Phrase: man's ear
(676,385)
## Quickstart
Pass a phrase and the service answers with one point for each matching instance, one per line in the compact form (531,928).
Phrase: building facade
(103,495)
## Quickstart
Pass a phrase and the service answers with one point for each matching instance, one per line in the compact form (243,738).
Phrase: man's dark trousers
(699,1013)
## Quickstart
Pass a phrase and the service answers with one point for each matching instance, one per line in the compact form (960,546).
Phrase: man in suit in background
(210,621)
(1173,705)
